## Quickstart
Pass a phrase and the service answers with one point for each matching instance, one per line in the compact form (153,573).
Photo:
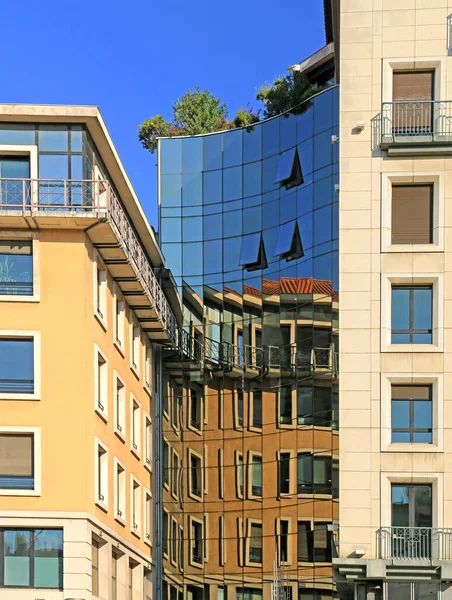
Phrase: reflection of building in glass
(249,229)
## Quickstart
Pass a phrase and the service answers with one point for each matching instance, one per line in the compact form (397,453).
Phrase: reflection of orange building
(250,445)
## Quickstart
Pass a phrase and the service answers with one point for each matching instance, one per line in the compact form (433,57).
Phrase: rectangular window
(285,405)
(257,409)
(304,542)
(101,292)
(120,406)
(239,474)
(148,368)
(148,441)
(101,381)
(256,476)
(114,575)
(305,410)
(283,545)
(120,491)
(16,268)
(175,476)
(246,593)
(304,473)
(411,414)
(412,214)
(322,543)
(412,314)
(196,542)
(165,461)
(255,555)
(95,567)
(17,461)
(136,342)
(413,110)
(136,506)
(148,516)
(195,476)
(131,578)
(239,408)
(194,409)
(135,418)
(284,473)
(221,542)
(165,532)
(174,540)
(17,366)
(102,475)
(119,321)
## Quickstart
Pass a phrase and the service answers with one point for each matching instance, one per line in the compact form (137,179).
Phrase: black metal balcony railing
(414,543)
(413,122)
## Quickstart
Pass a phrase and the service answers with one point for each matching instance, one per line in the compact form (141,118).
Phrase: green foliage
(289,92)
(244,117)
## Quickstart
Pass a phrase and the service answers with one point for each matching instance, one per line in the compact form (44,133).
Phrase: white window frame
(436,280)
(174,543)
(25,237)
(290,536)
(119,419)
(120,507)
(200,522)
(238,454)
(199,409)
(199,498)
(249,523)
(147,442)
(36,336)
(135,348)
(135,526)
(414,178)
(119,338)
(148,513)
(37,460)
(103,504)
(175,474)
(100,290)
(101,411)
(292,472)
(135,426)
(148,368)
(436,380)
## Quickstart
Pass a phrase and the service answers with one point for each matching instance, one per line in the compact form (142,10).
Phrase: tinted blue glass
(305,199)
(171,230)
(323,266)
(306,156)
(232,223)
(53,138)
(191,211)
(252,179)
(249,251)
(170,156)
(285,166)
(173,256)
(400,437)
(16,366)
(77,166)
(422,437)
(213,260)
(212,187)
(192,155)
(252,144)
(171,190)
(252,219)
(212,209)
(322,225)
(17,134)
(400,338)
(288,208)
(422,414)
(76,140)
(323,192)
(270,137)
(422,338)
(231,254)
(323,112)
(270,214)
(335,102)
(213,226)
(232,148)
(53,166)
(323,150)
(305,125)
(192,259)
(16,272)
(213,152)
(285,238)
(252,201)
(269,168)
(192,229)
(270,240)
(400,417)
(400,308)
(232,183)
(422,308)
(191,189)
(306,230)
(287,131)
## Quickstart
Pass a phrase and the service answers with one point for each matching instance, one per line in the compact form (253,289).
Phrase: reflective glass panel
(322,225)
(76,140)
(305,125)
(53,166)
(192,229)
(191,189)
(252,219)
(192,155)
(53,138)
(252,144)
(323,112)
(170,156)
(48,563)
(17,558)
(17,134)
(252,179)
(213,262)
(285,166)
(232,148)
(422,308)
(170,190)
(400,308)
(213,152)
(16,268)
(212,187)
(173,256)
(77,166)
(287,131)
(285,237)
(232,183)
(16,366)
(270,137)
(192,258)
(249,251)
(232,223)
(213,227)
(231,254)
(171,230)
(323,150)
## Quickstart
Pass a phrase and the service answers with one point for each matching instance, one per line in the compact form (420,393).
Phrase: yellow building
(80,312)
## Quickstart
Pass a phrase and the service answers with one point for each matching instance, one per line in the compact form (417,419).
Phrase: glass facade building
(249,230)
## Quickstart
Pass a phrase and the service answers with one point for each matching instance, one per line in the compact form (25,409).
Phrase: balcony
(93,206)
(414,543)
(414,127)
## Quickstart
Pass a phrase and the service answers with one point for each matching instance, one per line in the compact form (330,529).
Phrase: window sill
(285,426)
(102,505)
(412,248)
(147,465)
(14,298)
(101,321)
(148,390)
(5,396)
(166,486)
(175,497)
(119,348)
(255,429)
(120,520)
(148,540)
(255,498)
(412,448)
(136,533)
(135,371)
(102,414)
(196,430)
(412,348)
(121,435)
(136,452)
(194,497)
(196,564)
(6,492)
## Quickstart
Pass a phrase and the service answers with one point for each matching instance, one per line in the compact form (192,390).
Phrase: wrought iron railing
(38,197)
(414,543)
(417,121)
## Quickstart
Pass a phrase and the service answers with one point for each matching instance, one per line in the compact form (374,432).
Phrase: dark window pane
(270,137)
(304,473)
(252,219)
(398,590)
(285,165)
(285,237)
(304,405)
(16,366)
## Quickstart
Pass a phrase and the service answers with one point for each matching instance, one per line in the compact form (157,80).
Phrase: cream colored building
(395,536)
(80,312)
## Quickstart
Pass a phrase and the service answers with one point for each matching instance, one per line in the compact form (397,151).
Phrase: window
(17,461)
(165,532)
(195,482)
(31,558)
(284,473)
(411,506)
(257,409)
(148,441)
(313,474)
(412,92)
(411,414)
(412,214)
(148,516)
(16,268)
(285,405)
(131,578)
(100,291)
(408,590)
(239,474)
(252,253)
(114,575)
(120,406)
(95,567)
(148,368)
(283,541)
(17,373)
(256,475)
(135,506)
(175,475)
(304,542)
(135,422)
(101,384)
(239,408)
(289,245)
(221,542)
(174,541)
(135,353)
(165,461)
(119,321)
(194,409)
(305,405)
(255,547)
(335,479)
(101,473)
(289,172)
(246,593)
(181,548)
(322,543)
(412,314)
(196,542)
(120,492)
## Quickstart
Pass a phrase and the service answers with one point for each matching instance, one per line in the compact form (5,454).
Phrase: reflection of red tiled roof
(292,285)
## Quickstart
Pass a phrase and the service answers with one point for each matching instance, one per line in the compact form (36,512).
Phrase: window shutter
(256,536)
(412,214)
(415,85)
(411,392)
(16,455)
(320,536)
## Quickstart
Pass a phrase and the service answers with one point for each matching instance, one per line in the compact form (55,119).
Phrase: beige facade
(379,150)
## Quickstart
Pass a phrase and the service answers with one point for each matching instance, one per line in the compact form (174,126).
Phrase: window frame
(36,337)
(32,237)
(119,314)
(37,460)
(101,387)
(192,540)
(411,404)
(135,506)
(412,331)
(251,425)
(175,474)
(289,534)
(120,492)
(135,427)
(148,442)
(198,426)
(135,348)
(100,292)
(240,489)
(251,455)
(249,526)
(148,514)
(236,391)
(101,499)
(119,420)
(193,454)
(292,479)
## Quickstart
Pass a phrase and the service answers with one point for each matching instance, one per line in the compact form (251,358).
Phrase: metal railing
(417,121)
(414,543)
(38,197)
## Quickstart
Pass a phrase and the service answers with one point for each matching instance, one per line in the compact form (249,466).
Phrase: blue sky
(133,59)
